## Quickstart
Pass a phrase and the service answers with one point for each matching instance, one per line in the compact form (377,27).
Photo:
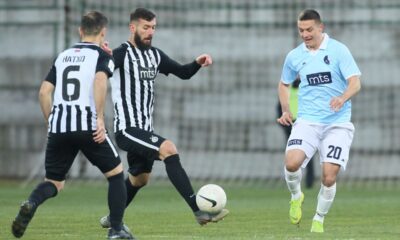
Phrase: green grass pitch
(158,213)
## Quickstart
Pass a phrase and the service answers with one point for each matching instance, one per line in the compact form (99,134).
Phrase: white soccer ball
(211,198)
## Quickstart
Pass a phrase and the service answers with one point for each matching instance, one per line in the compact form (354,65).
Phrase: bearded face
(142,43)
(143,31)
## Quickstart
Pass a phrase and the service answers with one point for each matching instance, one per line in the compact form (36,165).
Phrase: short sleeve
(105,64)
(347,64)
(288,73)
(52,76)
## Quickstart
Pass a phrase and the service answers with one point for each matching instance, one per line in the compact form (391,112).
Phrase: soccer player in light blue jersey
(329,78)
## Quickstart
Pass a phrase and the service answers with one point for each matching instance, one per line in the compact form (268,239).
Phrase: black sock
(130,191)
(116,200)
(180,180)
(42,192)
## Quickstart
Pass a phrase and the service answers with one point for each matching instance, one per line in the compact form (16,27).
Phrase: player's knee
(291,165)
(328,181)
(167,149)
(139,182)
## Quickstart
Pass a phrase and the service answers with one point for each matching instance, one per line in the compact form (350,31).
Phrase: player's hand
(106,48)
(100,134)
(336,103)
(286,119)
(204,60)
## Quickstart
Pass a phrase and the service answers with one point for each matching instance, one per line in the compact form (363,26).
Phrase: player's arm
(45,98)
(353,87)
(283,92)
(100,92)
(186,71)
(46,93)
(288,76)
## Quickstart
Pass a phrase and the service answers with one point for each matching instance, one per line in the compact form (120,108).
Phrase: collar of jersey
(87,43)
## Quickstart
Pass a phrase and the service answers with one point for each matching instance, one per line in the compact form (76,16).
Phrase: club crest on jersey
(319,78)
(147,74)
(326,60)
(154,139)
(295,142)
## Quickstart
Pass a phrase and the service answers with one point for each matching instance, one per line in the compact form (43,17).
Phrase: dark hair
(142,13)
(93,22)
(309,14)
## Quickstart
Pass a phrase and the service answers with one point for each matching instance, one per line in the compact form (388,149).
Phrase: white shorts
(332,141)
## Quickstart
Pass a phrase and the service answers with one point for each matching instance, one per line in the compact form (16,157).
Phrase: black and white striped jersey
(133,83)
(73,74)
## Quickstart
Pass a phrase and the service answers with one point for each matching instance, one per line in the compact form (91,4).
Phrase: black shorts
(143,148)
(62,149)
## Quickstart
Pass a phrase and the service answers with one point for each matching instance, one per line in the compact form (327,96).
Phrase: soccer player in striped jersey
(329,78)
(75,117)
(137,65)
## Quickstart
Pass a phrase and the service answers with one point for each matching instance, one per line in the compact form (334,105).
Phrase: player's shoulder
(336,45)
(296,52)
(104,54)
(120,51)
(121,48)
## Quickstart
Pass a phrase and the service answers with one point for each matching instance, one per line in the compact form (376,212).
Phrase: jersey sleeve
(52,76)
(288,73)
(347,64)
(168,65)
(105,63)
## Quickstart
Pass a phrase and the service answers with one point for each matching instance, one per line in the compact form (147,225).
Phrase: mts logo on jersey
(147,74)
(319,78)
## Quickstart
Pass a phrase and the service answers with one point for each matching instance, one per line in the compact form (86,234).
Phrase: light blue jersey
(323,75)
